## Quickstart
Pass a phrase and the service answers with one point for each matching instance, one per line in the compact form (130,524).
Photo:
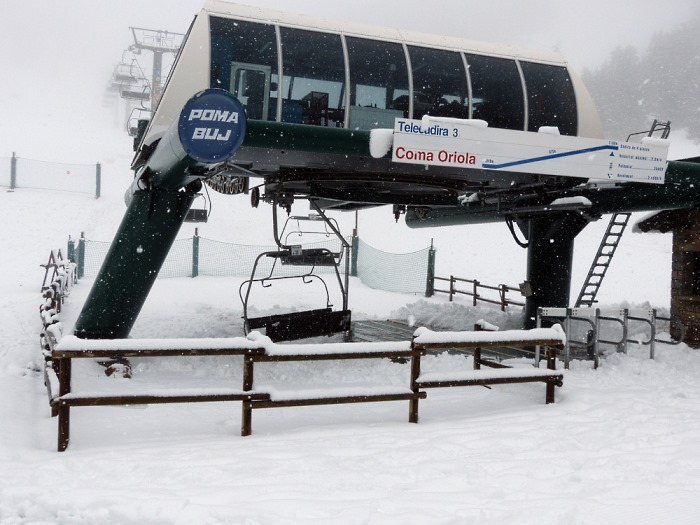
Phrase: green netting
(394,272)
(220,258)
(405,273)
(178,263)
(79,178)
(215,258)
(95,253)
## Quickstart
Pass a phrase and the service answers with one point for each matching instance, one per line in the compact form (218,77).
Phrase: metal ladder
(664,126)
(601,262)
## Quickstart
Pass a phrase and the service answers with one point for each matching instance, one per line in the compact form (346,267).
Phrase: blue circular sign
(212,126)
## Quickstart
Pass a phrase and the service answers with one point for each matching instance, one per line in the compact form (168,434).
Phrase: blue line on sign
(547,157)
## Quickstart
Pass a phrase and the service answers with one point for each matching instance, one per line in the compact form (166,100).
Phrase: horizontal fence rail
(257,350)
(475,289)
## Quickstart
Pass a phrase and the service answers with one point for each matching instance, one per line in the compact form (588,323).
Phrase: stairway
(601,262)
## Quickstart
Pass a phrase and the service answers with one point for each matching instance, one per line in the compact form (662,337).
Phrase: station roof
(243,12)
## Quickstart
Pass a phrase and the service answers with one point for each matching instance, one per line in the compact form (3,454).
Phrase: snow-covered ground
(621,445)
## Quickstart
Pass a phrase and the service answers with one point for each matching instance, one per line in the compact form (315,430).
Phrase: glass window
(378,83)
(497,92)
(439,83)
(244,61)
(313,90)
(551,99)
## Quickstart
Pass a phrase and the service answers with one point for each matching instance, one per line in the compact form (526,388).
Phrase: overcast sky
(53,49)
(93,32)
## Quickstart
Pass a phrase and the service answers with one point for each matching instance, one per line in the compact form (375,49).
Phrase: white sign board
(462,144)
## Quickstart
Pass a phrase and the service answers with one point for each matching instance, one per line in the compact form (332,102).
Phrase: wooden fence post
(64,379)
(247,409)
(415,374)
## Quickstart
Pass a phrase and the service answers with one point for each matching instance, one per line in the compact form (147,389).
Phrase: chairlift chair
(310,323)
(198,214)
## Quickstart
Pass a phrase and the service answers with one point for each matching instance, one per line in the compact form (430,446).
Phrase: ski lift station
(290,109)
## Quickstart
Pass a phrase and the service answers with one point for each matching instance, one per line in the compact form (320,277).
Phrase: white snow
(657,142)
(72,343)
(565,201)
(429,120)
(380,142)
(425,336)
(621,445)
(487,373)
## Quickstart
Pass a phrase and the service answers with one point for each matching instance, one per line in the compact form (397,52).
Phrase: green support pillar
(70,252)
(430,282)
(195,253)
(81,256)
(98,180)
(355,253)
(135,257)
(13,171)
(550,256)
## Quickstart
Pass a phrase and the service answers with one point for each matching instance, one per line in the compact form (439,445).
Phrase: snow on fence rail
(257,349)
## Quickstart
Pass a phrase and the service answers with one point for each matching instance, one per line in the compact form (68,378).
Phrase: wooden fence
(259,349)
(474,287)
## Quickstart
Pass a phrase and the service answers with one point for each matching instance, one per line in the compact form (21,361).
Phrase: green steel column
(135,257)
(70,251)
(81,256)
(430,284)
(550,258)
(98,180)
(355,255)
(195,254)
(13,171)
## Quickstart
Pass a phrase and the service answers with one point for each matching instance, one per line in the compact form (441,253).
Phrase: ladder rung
(606,250)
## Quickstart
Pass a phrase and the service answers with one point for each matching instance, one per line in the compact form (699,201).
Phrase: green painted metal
(81,257)
(195,255)
(314,139)
(430,282)
(70,250)
(13,171)
(98,180)
(550,257)
(355,253)
(135,257)
(680,190)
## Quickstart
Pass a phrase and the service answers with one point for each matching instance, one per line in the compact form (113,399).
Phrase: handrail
(594,316)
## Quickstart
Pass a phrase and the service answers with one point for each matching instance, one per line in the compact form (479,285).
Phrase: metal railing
(597,322)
